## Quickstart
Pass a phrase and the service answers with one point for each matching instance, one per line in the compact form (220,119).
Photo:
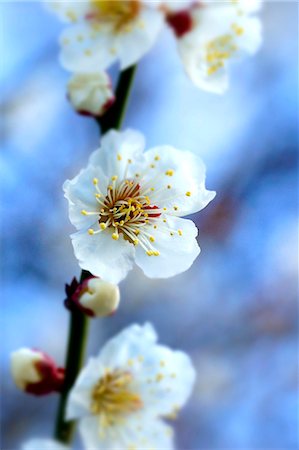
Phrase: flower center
(118,12)
(111,397)
(126,209)
(222,48)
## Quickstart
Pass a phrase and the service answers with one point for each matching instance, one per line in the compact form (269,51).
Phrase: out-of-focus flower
(126,205)
(43,444)
(210,34)
(95,297)
(105,31)
(35,372)
(121,395)
(90,94)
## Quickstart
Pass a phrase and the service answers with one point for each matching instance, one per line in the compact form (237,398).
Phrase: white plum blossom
(126,205)
(210,34)
(121,396)
(43,444)
(105,31)
(90,94)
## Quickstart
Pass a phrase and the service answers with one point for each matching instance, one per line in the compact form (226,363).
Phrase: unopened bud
(100,297)
(90,93)
(35,372)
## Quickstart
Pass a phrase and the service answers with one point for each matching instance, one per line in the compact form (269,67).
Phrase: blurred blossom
(106,31)
(209,34)
(122,395)
(218,32)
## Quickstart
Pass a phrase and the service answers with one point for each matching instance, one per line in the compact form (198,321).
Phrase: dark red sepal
(181,22)
(73,292)
(52,378)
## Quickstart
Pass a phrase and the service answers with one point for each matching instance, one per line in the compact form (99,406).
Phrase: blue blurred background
(235,310)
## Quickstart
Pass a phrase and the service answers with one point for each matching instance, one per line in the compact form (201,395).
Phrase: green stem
(114,116)
(78,327)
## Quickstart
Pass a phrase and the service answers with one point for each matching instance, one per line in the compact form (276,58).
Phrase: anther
(103,226)
(180,232)
(152,239)
(90,231)
(83,212)
(119,158)
(188,194)
(115,236)
(114,178)
(169,172)
(157,158)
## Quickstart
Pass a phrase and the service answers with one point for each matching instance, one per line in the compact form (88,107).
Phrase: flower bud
(100,297)
(35,372)
(90,93)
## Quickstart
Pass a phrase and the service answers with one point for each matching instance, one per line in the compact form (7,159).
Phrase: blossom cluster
(209,34)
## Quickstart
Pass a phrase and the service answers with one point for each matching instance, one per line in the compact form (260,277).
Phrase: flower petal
(69,10)
(78,405)
(129,343)
(188,177)
(85,50)
(103,256)
(117,147)
(80,193)
(164,380)
(132,45)
(177,252)
(131,433)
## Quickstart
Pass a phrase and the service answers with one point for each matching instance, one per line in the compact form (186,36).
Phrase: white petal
(164,380)
(129,343)
(178,5)
(133,44)
(133,433)
(251,40)
(103,256)
(86,51)
(177,253)
(80,396)
(43,444)
(69,10)
(117,147)
(80,193)
(189,176)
